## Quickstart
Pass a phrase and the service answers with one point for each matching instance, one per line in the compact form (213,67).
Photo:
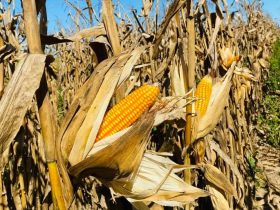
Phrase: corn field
(152,109)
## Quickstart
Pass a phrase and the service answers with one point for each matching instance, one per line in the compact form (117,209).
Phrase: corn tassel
(127,111)
(203,94)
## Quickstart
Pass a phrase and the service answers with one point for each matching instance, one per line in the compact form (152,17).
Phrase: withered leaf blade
(122,157)
(215,147)
(94,31)
(86,33)
(216,177)
(18,96)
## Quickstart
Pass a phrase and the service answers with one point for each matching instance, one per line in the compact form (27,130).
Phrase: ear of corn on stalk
(203,94)
(127,111)
(219,99)
(228,57)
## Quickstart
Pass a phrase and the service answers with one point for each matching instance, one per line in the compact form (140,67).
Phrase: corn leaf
(20,91)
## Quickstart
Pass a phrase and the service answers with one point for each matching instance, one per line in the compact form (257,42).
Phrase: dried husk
(93,96)
(218,199)
(86,134)
(156,181)
(122,157)
(79,107)
(217,178)
(217,103)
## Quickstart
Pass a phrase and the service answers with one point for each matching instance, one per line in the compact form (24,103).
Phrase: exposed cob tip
(128,110)
(203,94)
(228,57)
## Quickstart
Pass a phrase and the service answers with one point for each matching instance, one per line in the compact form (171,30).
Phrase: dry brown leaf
(217,178)
(92,32)
(18,96)
(214,146)
(88,32)
(215,33)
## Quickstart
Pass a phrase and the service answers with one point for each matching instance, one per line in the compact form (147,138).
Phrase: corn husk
(218,199)
(80,105)
(87,111)
(228,57)
(86,134)
(121,157)
(217,178)
(246,73)
(118,162)
(217,103)
(156,181)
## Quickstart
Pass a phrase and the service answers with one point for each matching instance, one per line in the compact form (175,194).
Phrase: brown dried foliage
(178,52)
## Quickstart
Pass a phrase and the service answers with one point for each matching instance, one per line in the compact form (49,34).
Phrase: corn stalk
(47,119)
(190,83)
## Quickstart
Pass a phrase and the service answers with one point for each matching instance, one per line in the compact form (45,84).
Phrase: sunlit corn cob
(127,111)
(203,94)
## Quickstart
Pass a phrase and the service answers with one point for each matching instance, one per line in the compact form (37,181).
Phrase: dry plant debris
(176,152)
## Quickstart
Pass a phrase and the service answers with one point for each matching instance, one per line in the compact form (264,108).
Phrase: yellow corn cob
(127,111)
(203,94)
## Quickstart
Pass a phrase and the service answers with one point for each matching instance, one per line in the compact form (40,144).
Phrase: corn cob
(127,111)
(228,57)
(203,94)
